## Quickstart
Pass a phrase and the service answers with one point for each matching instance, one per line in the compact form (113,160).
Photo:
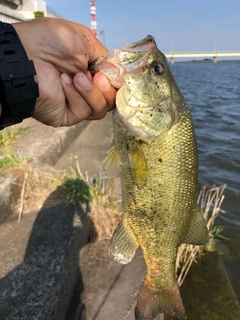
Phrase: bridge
(213,55)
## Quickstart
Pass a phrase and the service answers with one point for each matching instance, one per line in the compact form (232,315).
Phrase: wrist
(18,91)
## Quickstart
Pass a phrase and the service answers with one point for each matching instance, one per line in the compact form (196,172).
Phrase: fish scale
(155,154)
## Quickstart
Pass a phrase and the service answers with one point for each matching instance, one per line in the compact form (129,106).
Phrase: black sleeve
(18,90)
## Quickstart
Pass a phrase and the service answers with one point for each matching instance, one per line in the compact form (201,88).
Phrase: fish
(155,155)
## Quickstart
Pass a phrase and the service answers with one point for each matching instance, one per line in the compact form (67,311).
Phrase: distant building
(22,10)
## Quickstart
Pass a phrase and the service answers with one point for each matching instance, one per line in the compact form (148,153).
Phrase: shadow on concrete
(108,293)
(42,286)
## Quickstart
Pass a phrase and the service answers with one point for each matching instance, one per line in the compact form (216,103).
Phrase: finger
(77,108)
(93,95)
(108,91)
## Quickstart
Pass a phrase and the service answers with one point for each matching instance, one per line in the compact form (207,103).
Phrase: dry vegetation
(210,201)
(39,187)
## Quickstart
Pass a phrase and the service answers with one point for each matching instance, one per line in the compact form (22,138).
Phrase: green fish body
(155,154)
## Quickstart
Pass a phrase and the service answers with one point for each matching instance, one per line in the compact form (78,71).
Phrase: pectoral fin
(138,165)
(123,244)
(198,232)
(111,165)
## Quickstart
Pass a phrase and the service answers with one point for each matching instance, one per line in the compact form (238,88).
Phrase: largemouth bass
(156,156)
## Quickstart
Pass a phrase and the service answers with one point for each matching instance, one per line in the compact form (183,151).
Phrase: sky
(177,25)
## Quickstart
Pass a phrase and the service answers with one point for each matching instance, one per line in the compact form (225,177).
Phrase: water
(212,92)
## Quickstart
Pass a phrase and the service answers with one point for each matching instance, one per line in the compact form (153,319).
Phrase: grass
(9,135)
(77,191)
(10,160)
(210,202)
(77,187)
(104,211)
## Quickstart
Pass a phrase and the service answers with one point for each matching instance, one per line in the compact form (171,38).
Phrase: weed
(77,191)
(9,160)
(215,235)
(77,187)
(9,135)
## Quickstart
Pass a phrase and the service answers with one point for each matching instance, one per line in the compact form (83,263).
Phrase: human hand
(61,51)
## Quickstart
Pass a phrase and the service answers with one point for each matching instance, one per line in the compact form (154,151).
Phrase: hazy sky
(181,25)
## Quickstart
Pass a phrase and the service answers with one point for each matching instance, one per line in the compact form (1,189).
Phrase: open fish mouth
(131,56)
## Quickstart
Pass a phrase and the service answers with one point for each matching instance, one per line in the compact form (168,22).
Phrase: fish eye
(158,68)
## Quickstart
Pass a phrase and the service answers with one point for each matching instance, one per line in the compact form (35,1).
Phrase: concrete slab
(90,147)
(44,143)
(110,289)
(207,292)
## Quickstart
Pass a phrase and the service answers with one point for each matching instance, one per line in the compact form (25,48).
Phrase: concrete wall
(22,10)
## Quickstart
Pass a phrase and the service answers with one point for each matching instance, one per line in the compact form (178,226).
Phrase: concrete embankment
(40,255)
(48,270)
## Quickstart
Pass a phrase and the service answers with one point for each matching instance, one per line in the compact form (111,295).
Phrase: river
(212,92)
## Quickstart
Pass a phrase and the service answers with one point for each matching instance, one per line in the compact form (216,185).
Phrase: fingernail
(66,79)
(101,81)
(84,82)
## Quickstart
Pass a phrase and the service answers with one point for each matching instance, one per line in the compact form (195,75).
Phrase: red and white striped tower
(93,17)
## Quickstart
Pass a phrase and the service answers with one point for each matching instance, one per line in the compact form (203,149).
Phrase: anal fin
(198,232)
(123,244)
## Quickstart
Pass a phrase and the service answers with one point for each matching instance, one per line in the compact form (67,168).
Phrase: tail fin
(152,301)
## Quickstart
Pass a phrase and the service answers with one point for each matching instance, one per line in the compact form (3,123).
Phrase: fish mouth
(131,58)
